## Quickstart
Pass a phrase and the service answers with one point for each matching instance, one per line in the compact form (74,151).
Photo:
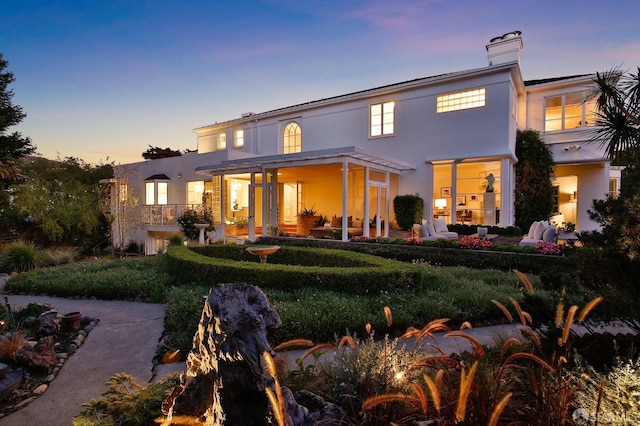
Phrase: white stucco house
(443,137)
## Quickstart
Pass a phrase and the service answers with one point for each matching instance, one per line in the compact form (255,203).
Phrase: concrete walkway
(125,340)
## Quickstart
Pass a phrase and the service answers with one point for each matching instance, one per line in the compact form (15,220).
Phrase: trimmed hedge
(478,259)
(292,268)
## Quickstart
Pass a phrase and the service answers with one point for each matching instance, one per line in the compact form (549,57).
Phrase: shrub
(474,243)
(291,268)
(611,398)
(443,252)
(189,218)
(408,209)
(544,247)
(127,402)
(21,256)
(365,368)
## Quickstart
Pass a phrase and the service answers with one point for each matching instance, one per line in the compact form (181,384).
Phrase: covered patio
(342,184)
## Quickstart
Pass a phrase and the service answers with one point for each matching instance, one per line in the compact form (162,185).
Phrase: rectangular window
(613,187)
(460,100)
(150,190)
(163,190)
(222,141)
(382,119)
(569,112)
(195,192)
(239,139)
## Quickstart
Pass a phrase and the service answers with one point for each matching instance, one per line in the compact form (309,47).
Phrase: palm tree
(617,96)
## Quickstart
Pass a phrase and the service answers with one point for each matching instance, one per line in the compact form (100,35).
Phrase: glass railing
(166,215)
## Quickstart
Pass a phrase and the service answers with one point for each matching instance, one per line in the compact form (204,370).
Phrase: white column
(367,200)
(345,200)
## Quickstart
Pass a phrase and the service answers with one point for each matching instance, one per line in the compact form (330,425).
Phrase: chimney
(505,49)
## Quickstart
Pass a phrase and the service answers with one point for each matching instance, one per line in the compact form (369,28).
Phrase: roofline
(377,91)
(545,83)
(355,154)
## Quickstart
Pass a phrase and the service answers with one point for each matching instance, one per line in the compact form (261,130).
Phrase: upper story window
(382,119)
(570,111)
(156,190)
(239,138)
(222,141)
(461,100)
(292,138)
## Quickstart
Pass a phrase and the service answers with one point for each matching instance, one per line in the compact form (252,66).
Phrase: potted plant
(307,219)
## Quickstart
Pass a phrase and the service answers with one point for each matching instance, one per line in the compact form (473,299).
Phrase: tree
(155,152)
(13,146)
(617,97)
(609,261)
(534,179)
(58,203)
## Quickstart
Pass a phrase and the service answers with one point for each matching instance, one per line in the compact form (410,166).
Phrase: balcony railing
(166,215)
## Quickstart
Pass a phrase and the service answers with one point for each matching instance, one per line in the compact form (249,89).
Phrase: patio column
(507,188)
(367,200)
(345,201)
(252,207)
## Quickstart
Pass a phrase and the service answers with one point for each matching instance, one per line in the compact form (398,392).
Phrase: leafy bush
(364,368)
(21,256)
(408,209)
(127,402)
(189,218)
(612,398)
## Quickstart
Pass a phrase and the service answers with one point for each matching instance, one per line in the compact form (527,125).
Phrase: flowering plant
(360,238)
(413,241)
(469,242)
(543,247)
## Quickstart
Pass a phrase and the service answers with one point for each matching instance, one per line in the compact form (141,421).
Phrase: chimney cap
(506,36)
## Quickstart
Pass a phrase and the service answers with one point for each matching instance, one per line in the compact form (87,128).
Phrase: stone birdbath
(201,227)
(263,251)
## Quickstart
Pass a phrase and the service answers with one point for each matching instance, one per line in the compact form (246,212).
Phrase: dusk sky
(102,80)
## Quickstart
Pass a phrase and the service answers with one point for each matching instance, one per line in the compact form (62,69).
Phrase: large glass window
(569,112)
(460,100)
(156,192)
(195,192)
(473,197)
(382,119)
(292,138)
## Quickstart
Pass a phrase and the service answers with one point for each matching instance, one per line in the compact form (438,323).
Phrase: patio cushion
(440,225)
(431,229)
(424,231)
(549,234)
(539,230)
(532,230)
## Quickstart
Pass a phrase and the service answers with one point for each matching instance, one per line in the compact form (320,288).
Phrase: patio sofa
(539,231)
(433,230)
(354,227)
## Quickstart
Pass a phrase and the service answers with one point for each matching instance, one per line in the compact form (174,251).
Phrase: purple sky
(101,80)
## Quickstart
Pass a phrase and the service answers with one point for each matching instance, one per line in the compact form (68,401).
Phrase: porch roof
(352,154)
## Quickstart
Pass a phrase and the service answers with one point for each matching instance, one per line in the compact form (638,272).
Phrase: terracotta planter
(71,321)
(305,223)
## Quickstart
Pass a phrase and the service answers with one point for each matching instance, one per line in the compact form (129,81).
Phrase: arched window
(292,138)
